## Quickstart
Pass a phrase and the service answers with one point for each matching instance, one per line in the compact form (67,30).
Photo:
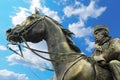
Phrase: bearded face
(100,35)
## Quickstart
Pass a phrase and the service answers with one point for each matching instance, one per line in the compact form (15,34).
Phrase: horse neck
(56,39)
(58,44)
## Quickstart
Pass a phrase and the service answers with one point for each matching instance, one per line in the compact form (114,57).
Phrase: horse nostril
(9,30)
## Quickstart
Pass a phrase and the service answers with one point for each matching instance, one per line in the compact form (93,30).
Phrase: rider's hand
(100,60)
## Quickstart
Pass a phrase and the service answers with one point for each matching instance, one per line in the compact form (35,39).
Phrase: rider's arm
(115,47)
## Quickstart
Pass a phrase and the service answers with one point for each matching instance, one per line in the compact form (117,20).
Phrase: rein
(24,31)
(21,54)
(35,51)
(72,64)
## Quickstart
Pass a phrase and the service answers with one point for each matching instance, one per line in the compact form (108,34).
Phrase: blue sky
(79,16)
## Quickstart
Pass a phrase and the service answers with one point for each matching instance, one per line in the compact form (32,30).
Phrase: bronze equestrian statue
(68,61)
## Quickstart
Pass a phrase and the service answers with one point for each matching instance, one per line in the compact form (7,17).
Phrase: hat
(97,27)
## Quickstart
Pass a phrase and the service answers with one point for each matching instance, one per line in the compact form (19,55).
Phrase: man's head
(100,32)
(98,27)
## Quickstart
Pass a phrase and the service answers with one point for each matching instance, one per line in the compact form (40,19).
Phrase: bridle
(20,34)
(27,29)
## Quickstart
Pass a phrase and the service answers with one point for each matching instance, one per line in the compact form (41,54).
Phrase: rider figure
(107,50)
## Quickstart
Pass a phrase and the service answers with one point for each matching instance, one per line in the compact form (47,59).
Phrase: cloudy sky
(79,16)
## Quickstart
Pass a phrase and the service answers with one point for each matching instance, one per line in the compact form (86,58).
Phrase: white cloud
(77,2)
(45,10)
(51,13)
(34,4)
(92,10)
(2,47)
(22,12)
(83,12)
(14,47)
(63,2)
(20,16)
(79,30)
(30,59)
(9,75)
(90,44)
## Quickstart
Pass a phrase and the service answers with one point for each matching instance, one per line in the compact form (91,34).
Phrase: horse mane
(67,34)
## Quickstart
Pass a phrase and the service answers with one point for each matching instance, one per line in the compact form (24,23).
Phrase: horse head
(27,29)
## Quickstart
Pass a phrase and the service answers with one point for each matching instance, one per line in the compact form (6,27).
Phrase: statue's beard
(99,41)
(103,40)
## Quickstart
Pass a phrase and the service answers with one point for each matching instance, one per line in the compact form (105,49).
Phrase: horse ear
(36,11)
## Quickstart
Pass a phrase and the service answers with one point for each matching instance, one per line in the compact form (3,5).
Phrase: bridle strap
(53,60)
(20,51)
(35,52)
(20,54)
(28,27)
(65,72)
(76,60)
(26,59)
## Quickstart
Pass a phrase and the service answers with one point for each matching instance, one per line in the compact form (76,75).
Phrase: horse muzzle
(13,36)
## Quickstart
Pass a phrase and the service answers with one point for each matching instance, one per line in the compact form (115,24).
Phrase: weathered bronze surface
(68,62)
(107,50)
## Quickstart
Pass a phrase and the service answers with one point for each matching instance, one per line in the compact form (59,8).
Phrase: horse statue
(68,61)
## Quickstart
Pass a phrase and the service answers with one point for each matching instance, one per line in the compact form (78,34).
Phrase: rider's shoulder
(115,40)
